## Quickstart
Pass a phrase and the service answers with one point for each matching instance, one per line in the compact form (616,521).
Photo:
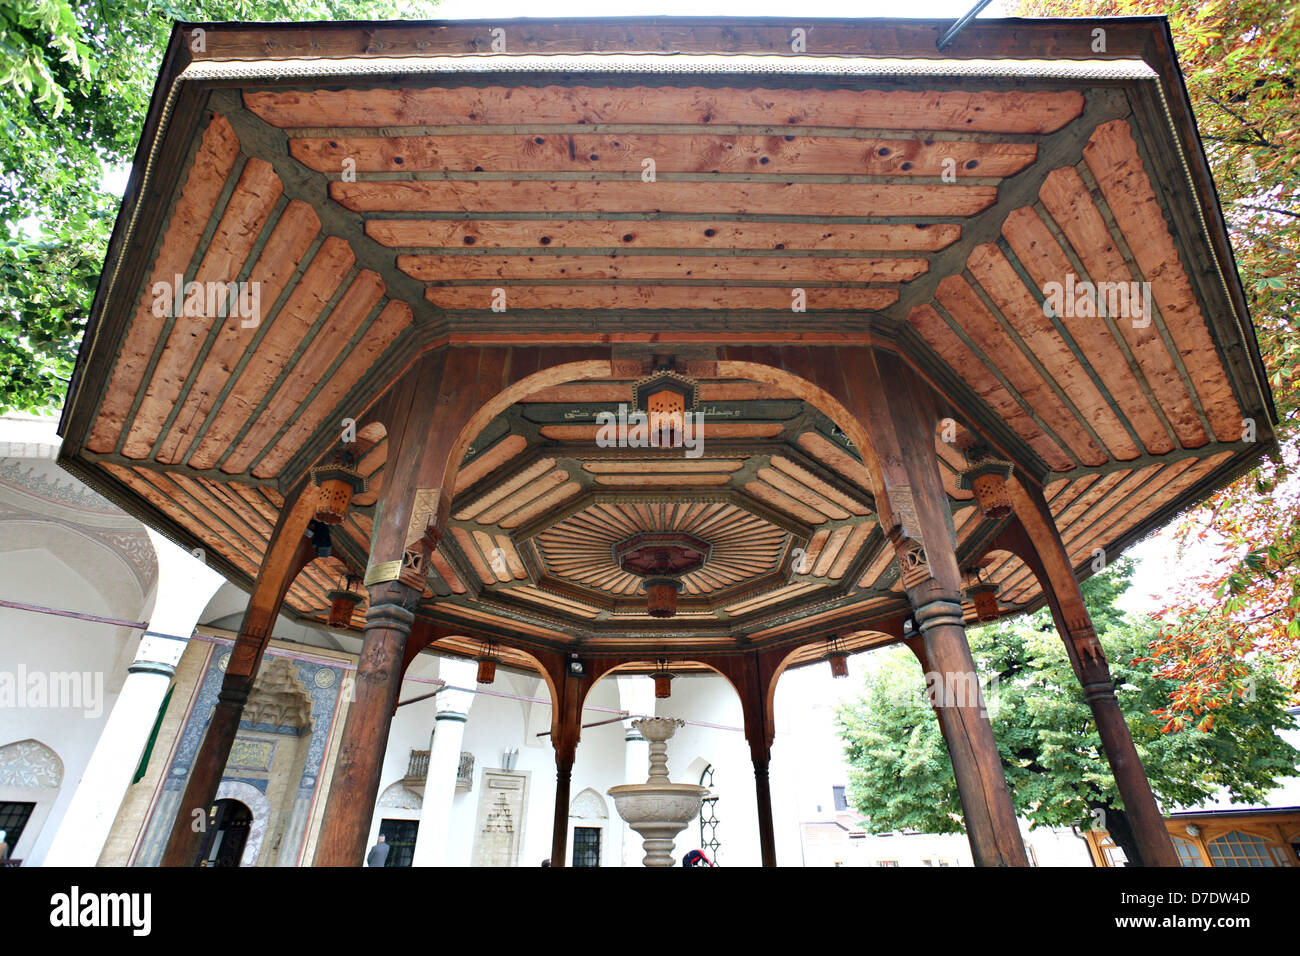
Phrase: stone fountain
(658,809)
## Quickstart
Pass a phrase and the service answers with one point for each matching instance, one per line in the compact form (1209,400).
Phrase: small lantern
(983,594)
(985,597)
(988,479)
(487,664)
(838,658)
(338,483)
(342,602)
(663,680)
(661,596)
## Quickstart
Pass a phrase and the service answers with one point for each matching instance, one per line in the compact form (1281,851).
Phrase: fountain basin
(658,812)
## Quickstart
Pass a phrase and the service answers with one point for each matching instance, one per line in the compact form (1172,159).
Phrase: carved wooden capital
(424,512)
(913,564)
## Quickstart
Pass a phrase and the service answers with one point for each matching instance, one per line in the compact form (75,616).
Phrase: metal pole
(961,24)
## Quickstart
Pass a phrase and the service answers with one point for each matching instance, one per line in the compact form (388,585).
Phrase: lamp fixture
(837,657)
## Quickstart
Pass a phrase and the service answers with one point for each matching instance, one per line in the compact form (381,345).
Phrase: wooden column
(425,414)
(560,822)
(896,409)
(763,791)
(752,677)
(1039,545)
(355,784)
(287,553)
(566,730)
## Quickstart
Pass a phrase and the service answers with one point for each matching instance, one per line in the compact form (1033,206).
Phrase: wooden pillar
(1039,545)
(355,784)
(752,677)
(766,830)
(896,409)
(425,413)
(566,730)
(287,553)
(560,823)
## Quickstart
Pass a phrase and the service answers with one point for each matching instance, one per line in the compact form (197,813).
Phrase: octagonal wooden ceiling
(385,187)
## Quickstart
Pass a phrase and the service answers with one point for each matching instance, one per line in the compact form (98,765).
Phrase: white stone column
(636,695)
(444,760)
(185,586)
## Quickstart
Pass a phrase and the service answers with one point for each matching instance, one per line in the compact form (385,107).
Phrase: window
(841,801)
(1243,849)
(13,820)
(586,846)
(1188,855)
(709,841)
(400,837)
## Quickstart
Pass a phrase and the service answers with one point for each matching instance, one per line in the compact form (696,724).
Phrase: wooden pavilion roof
(381,181)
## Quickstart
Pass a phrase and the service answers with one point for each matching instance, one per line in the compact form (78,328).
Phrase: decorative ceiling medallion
(661,557)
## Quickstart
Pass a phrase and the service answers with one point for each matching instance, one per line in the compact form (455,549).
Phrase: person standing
(378,855)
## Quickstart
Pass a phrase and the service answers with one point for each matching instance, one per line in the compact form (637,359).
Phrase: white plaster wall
(45,644)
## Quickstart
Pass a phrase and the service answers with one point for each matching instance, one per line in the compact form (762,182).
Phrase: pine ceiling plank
(447,572)
(836,458)
(251,516)
(489,461)
(662,481)
(718,430)
(851,549)
(204,184)
(636,266)
(809,480)
(342,323)
(976,374)
(1113,159)
(394,318)
(471,552)
(639,467)
(680,152)
(660,234)
(737,198)
(1066,197)
(1042,257)
(246,213)
(507,487)
(1020,111)
(1177,477)
(960,301)
(832,551)
(783,502)
(520,498)
(281,337)
(801,492)
(1025,314)
(740,298)
(289,242)
(168,506)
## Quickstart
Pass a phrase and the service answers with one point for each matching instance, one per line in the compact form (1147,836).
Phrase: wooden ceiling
(391,197)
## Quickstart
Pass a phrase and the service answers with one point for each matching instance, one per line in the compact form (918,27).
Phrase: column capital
(152,667)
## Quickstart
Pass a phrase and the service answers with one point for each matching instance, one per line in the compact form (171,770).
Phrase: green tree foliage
(75,82)
(901,776)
